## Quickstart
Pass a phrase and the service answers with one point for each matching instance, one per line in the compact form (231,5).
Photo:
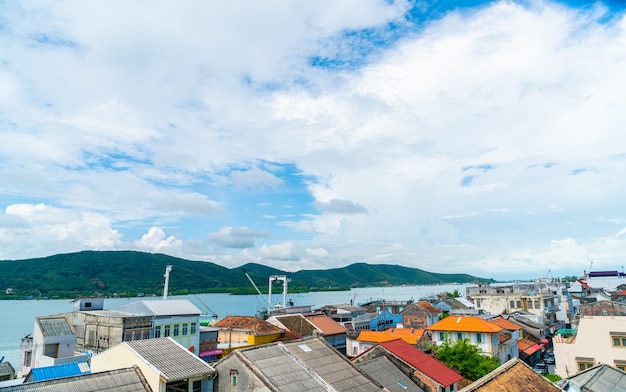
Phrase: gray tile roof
(600,378)
(307,365)
(121,380)
(170,358)
(55,326)
(283,372)
(6,368)
(159,307)
(388,375)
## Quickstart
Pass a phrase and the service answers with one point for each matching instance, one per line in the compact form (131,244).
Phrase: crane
(168,269)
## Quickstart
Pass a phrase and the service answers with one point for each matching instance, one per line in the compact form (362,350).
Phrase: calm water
(17,318)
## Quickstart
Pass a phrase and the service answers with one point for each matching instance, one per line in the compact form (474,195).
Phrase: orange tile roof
(465,324)
(523,344)
(327,325)
(506,324)
(409,335)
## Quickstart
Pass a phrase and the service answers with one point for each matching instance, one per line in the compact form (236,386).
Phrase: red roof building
(427,372)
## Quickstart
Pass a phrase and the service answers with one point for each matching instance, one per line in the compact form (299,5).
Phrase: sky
(479,137)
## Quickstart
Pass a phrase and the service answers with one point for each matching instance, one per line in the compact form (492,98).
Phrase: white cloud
(186,116)
(155,240)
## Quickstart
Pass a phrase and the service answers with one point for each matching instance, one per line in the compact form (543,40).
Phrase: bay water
(17,317)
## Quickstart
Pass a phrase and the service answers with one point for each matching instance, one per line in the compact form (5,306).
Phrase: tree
(466,358)
(454,294)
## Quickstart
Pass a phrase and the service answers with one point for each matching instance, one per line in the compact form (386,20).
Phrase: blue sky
(457,137)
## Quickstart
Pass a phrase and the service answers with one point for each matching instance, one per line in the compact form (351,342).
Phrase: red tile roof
(426,364)
(327,325)
(250,323)
(621,293)
(465,324)
(430,308)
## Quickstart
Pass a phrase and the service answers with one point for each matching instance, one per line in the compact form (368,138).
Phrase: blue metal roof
(59,371)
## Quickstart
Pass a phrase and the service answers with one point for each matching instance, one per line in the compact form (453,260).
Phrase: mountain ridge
(133,273)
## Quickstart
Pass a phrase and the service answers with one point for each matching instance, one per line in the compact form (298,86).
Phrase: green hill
(129,273)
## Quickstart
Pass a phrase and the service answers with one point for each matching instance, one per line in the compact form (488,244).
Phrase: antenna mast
(168,269)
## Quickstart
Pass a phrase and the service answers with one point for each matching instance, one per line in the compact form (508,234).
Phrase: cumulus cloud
(155,240)
(236,237)
(478,136)
(336,206)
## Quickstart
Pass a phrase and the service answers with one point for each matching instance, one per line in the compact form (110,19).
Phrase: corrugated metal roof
(58,371)
(388,375)
(170,358)
(6,368)
(55,326)
(170,307)
(600,378)
(120,380)
(306,365)
(333,367)
(423,362)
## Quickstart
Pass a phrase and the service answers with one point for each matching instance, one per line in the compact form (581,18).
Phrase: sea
(17,317)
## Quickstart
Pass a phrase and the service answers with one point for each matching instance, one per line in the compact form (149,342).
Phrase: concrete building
(53,342)
(420,314)
(542,298)
(599,338)
(478,331)
(98,330)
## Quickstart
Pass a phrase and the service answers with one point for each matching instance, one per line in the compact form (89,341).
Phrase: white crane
(168,269)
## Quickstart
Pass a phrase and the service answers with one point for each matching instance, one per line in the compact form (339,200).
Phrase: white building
(539,298)
(600,338)
(175,318)
(53,342)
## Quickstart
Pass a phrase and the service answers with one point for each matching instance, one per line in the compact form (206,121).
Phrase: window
(176,329)
(459,335)
(233,378)
(193,329)
(355,351)
(167,330)
(519,304)
(512,304)
(584,365)
(442,336)
(479,338)
(157,331)
(197,386)
(185,329)
(537,304)
(28,355)
(619,341)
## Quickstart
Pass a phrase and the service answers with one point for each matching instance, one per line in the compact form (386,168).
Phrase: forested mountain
(129,273)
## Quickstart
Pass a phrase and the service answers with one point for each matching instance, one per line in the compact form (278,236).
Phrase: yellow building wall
(120,357)
(252,339)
